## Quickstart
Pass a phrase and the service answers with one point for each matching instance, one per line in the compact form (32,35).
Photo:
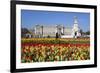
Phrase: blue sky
(29,18)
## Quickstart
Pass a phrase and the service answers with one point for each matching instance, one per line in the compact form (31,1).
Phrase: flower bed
(44,52)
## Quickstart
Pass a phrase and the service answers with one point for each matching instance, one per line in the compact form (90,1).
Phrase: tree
(24,31)
(88,33)
(81,31)
(57,36)
(48,36)
(75,33)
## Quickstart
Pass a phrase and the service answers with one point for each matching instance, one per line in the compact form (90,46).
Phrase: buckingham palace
(44,31)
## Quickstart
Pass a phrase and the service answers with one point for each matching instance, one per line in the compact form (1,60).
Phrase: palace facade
(44,31)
